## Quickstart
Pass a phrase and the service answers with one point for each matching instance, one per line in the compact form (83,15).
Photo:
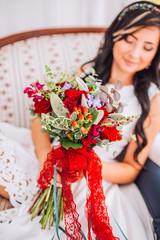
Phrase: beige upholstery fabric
(23,62)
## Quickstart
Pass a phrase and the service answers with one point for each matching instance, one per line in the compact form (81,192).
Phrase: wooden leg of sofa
(3,193)
(4,200)
(4,204)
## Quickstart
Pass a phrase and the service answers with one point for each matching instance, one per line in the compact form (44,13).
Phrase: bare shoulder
(155,105)
(152,122)
(81,70)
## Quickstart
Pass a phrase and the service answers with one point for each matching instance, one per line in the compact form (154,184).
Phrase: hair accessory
(143,6)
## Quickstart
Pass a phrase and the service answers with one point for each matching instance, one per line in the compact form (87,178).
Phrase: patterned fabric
(23,62)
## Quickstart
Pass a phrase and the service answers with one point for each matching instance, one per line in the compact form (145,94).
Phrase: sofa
(23,58)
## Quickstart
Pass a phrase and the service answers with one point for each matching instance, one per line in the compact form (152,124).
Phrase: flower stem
(61,207)
(39,193)
(51,216)
(44,203)
(44,211)
(49,207)
(35,209)
(48,193)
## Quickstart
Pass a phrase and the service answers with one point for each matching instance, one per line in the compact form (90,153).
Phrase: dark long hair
(102,63)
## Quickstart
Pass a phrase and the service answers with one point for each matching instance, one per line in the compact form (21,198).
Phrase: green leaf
(81,84)
(78,135)
(83,101)
(96,92)
(57,122)
(67,122)
(88,79)
(49,83)
(32,111)
(73,116)
(47,68)
(93,72)
(114,153)
(105,142)
(115,116)
(49,74)
(66,143)
(107,148)
(93,111)
(43,130)
(99,116)
(58,106)
(52,133)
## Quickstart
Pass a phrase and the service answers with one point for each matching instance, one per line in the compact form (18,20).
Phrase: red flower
(88,141)
(94,141)
(75,93)
(73,98)
(42,106)
(110,133)
(119,138)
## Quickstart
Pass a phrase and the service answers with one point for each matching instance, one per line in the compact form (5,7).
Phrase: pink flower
(37,98)
(30,92)
(39,86)
(95,132)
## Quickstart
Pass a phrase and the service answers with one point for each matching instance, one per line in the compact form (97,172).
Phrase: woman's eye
(148,48)
(129,38)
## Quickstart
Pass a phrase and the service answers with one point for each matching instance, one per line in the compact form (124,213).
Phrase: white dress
(18,170)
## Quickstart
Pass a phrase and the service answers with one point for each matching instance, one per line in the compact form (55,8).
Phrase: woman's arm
(41,141)
(128,170)
(42,145)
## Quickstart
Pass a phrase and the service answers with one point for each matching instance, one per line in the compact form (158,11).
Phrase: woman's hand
(58,175)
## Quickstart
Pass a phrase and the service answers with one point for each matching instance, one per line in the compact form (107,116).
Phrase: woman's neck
(125,77)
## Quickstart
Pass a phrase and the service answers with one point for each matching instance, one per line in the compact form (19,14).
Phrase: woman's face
(136,51)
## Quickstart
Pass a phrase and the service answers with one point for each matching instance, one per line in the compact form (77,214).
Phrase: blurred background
(24,15)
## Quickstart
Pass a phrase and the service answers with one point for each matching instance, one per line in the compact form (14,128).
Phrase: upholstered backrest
(23,58)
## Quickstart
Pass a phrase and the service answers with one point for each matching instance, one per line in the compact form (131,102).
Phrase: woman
(130,53)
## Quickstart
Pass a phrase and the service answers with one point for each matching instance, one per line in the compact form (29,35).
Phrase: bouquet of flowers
(83,114)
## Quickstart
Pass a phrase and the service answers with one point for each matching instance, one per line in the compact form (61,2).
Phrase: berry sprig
(81,118)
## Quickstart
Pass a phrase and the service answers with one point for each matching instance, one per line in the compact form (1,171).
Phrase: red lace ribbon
(73,162)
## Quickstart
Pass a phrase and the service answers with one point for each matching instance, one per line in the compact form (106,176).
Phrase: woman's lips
(129,63)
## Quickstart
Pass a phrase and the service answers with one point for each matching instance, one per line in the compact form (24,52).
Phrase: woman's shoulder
(83,71)
(153,90)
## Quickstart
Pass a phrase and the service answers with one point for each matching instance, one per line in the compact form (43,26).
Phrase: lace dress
(18,170)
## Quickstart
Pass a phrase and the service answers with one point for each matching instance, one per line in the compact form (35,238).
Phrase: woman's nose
(136,51)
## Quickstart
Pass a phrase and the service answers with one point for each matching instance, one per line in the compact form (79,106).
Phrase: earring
(148,66)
